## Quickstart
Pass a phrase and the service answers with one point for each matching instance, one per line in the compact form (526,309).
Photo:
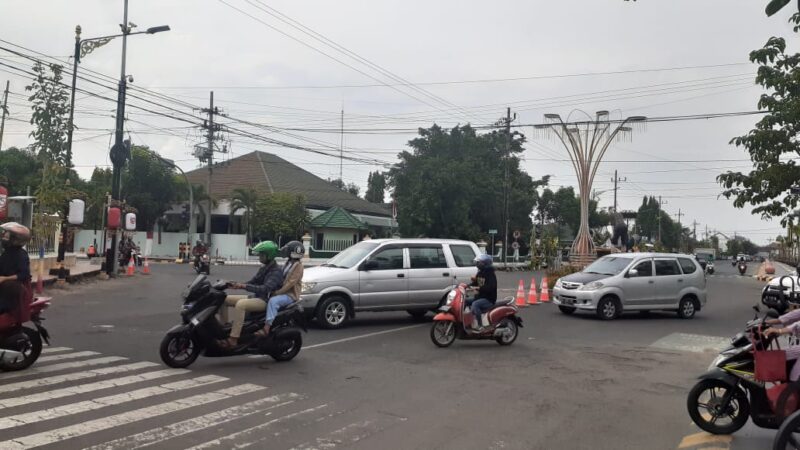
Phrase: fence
(335,245)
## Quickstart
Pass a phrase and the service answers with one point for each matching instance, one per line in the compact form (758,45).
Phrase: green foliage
(350,187)
(766,186)
(376,187)
(97,189)
(281,214)
(20,169)
(245,199)
(50,104)
(554,274)
(647,220)
(148,185)
(741,245)
(563,208)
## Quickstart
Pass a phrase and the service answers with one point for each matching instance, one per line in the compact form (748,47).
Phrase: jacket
(268,279)
(292,284)
(486,281)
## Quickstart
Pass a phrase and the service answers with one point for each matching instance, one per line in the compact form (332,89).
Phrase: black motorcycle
(728,393)
(202,264)
(200,331)
(742,268)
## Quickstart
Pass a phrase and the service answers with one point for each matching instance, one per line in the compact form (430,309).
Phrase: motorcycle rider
(198,251)
(15,265)
(292,286)
(789,323)
(268,279)
(486,282)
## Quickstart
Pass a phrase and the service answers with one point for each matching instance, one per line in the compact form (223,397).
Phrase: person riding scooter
(15,265)
(292,286)
(788,323)
(486,282)
(268,279)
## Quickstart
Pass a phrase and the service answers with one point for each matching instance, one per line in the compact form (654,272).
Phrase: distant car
(634,282)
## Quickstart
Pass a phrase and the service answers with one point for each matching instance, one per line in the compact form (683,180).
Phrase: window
(352,255)
(320,241)
(427,257)
(666,267)
(687,265)
(463,254)
(609,265)
(645,269)
(389,259)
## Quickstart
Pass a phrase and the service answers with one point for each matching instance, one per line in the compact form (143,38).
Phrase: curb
(71,278)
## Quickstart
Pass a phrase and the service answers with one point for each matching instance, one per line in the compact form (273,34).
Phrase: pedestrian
(180,251)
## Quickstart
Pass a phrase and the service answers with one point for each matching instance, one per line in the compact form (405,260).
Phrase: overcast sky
(263,76)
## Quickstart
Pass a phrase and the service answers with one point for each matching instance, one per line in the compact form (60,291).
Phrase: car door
(429,276)
(639,289)
(463,262)
(669,280)
(383,279)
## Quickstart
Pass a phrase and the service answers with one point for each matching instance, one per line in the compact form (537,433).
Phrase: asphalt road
(568,382)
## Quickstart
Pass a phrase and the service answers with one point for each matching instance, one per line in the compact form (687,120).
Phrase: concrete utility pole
(615,180)
(506,186)
(4,114)
(341,151)
(680,230)
(210,158)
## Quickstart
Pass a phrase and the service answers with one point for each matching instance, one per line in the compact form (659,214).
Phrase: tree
(97,189)
(20,169)
(50,104)
(376,187)
(767,186)
(148,185)
(201,200)
(245,199)
(280,214)
(350,187)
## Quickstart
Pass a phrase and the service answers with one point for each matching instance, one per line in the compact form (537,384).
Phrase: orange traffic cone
(532,300)
(521,294)
(131,269)
(545,291)
(146,268)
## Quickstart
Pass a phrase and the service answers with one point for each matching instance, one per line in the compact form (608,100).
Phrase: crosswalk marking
(64,356)
(161,434)
(81,375)
(339,436)
(88,387)
(63,366)
(102,402)
(92,426)
(55,349)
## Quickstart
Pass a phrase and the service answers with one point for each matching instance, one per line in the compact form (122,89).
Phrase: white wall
(228,246)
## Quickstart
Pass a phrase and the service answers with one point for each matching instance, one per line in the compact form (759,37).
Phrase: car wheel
(417,314)
(608,308)
(568,310)
(332,312)
(686,308)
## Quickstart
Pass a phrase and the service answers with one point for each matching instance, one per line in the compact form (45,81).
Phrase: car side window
(427,257)
(388,259)
(463,254)
(666,267)
(687,265)
(644,269)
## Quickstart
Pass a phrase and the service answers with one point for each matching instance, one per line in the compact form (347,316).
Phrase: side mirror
(633,273)
(369,265)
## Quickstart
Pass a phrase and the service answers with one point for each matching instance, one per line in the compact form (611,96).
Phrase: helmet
(14,234)
(293,250)
(266,251)
(483,261)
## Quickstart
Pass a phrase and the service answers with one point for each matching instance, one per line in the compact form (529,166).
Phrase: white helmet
(14,234)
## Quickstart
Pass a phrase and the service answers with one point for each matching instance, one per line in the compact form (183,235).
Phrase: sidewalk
(82,269)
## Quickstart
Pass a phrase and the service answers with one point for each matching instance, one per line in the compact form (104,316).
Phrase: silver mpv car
(634,282)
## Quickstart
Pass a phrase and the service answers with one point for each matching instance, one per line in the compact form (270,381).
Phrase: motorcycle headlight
(450,297)
(593,286)
(307,287)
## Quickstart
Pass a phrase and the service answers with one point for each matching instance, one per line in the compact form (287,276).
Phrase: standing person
(15,266)
(486,282)
(292,284)
(180,251)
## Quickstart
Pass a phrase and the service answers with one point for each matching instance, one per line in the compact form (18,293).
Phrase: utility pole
(506,186)
(659,218)
(615,180)
(4,114)
(341,150)
(680,231)
(210,159)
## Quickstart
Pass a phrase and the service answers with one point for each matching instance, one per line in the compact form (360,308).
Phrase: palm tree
(202,198)
(244,198)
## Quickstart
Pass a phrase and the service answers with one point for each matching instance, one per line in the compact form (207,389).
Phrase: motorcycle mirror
(756,308)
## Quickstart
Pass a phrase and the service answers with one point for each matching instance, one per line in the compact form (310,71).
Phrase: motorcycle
(742,268)
(200,331)
(202,264)
(20,346)
(455,318)
(728,392)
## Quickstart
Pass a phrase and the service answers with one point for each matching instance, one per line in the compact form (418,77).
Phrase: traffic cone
(131,269)
(521,294)
(545,297)
(146,268)
(532,300)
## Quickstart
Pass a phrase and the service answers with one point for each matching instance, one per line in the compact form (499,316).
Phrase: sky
(393,66)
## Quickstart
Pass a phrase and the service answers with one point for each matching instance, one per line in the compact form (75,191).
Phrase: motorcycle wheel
(706,411)
(508,337)
(291,352)
(443,333)
(788,436)
(30,347)
(179,350)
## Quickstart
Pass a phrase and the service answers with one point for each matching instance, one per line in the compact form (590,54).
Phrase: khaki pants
(242,305)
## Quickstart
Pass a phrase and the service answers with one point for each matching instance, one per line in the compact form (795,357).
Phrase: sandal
(262,333)
(227,344)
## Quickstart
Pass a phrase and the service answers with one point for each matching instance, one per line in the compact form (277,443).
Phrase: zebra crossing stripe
(102,402)
(88,387)
(65,356)
(81,375)
(63,366)
(161,434)
(55,349)
(105,423)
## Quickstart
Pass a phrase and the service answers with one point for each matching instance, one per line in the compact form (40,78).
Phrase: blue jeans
(480,306)
(275,303)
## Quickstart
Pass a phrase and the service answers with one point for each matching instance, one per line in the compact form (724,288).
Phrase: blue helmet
(483,261)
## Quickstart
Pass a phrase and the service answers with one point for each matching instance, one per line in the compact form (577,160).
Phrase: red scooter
(455,320)
(20,346)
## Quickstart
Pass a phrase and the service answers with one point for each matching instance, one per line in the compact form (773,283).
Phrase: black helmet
(293,250)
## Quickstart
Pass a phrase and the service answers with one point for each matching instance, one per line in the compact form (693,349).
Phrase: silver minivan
(414,275)
(634,282)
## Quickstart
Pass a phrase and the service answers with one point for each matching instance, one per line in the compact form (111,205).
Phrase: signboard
(492,231)
(517,234)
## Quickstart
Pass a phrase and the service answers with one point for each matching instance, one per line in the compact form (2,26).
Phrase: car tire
(568,310)
(687,308)
(333,312)
(608,308)
(418,315)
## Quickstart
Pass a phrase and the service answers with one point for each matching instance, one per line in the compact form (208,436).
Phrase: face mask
(264,259)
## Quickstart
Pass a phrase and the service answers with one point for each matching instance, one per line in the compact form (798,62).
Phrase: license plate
(568,301)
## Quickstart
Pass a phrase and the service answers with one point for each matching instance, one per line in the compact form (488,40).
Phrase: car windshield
(351,256)
(608,265)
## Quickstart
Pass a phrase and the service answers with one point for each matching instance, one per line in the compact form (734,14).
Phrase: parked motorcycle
(455,318)
(200,330)
(202,264)
(20,346)
(742,268)
(728,392)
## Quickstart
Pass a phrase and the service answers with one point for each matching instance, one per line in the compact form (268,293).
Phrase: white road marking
(81,375)
(89,387)
(252,430)
(340,436)
(64,366)
(696,343)
(65,356)
(105,423)
(55,349)
(161,434)
(102,402)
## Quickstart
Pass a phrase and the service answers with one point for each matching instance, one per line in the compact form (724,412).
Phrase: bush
(554,274)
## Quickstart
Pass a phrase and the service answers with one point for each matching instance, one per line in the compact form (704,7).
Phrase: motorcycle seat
(503,302)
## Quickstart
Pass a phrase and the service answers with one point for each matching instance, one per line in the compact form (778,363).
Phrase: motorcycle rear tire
(170,359)
(692,404)
(511,325)
(790,426)
(35,349)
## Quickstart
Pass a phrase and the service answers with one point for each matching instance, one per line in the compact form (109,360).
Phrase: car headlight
(307,287)
(558,283)
(450,297)
(593,286)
